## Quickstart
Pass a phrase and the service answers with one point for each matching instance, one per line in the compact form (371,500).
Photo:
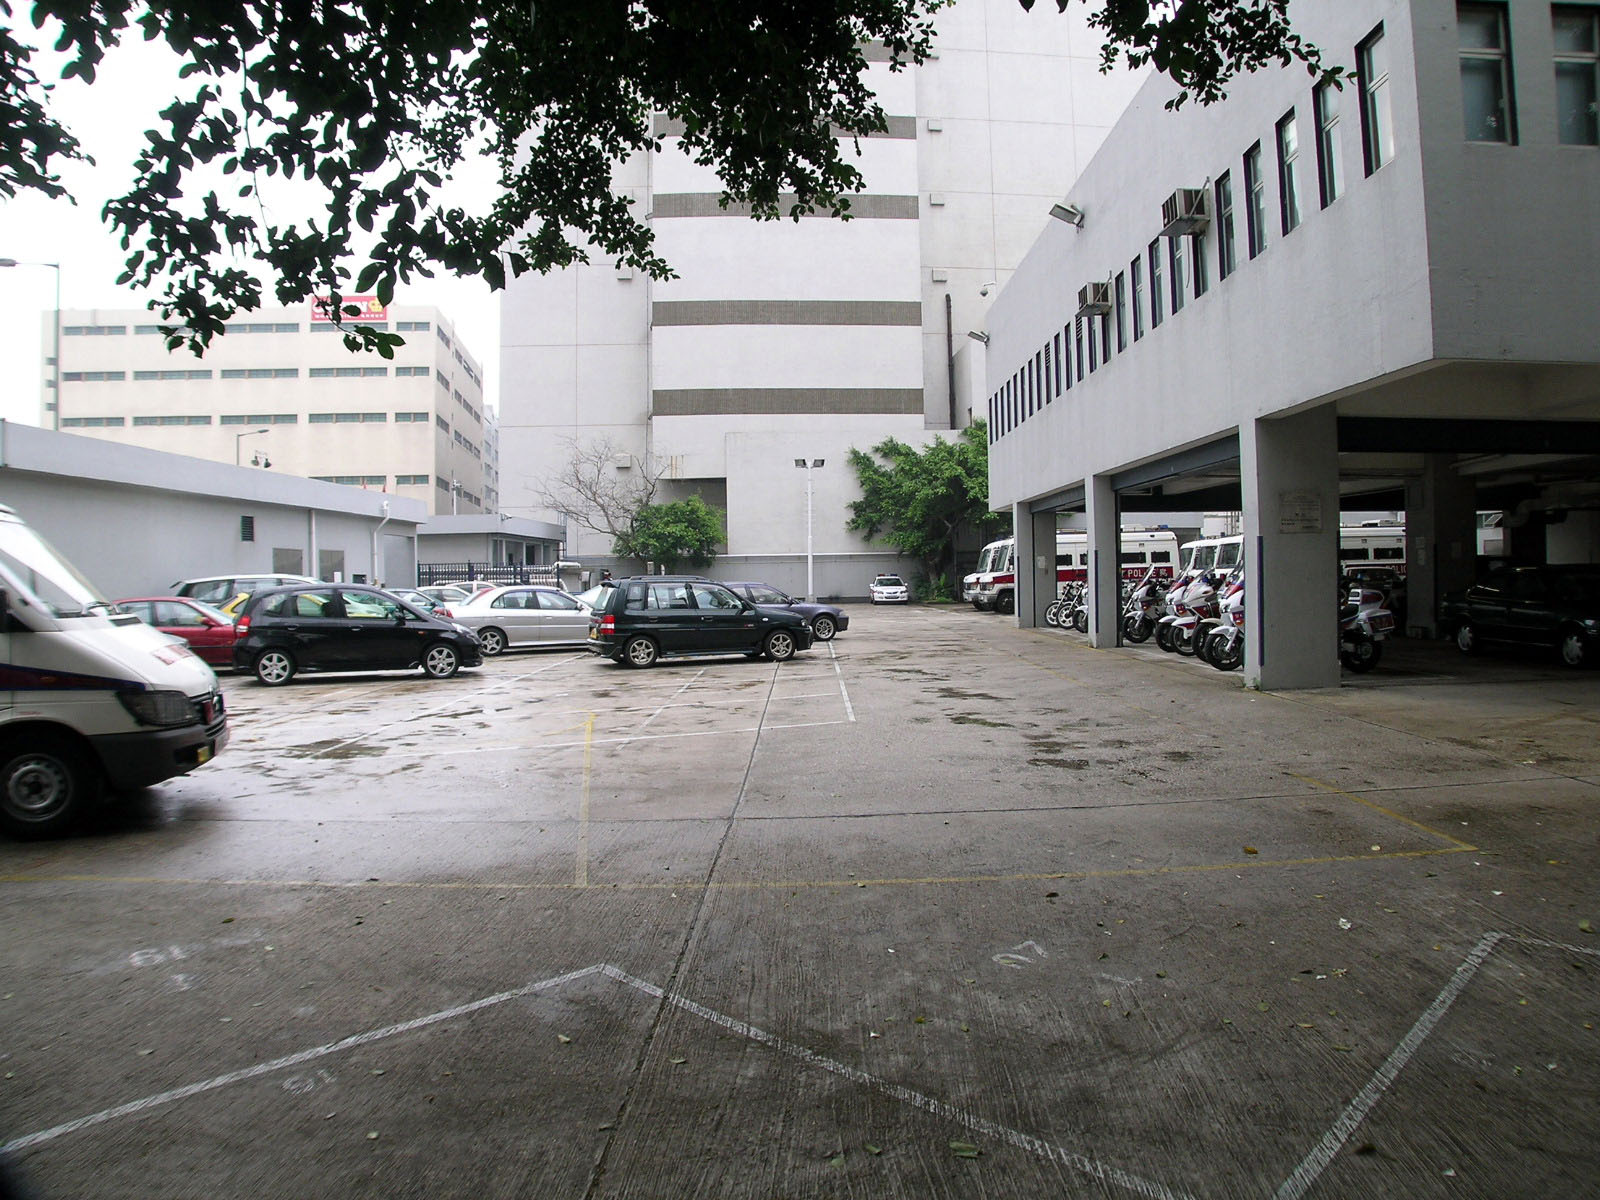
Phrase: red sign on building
(372,309)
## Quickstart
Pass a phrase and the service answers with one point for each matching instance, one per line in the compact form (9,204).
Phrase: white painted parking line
(135,1107)
(1314,1163)
(919,1100)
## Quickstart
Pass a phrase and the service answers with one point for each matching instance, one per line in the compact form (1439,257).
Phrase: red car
(208,631)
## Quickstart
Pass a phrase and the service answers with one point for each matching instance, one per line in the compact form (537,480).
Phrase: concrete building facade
(802,339)
(281,387)
(1303,299)
(137,520)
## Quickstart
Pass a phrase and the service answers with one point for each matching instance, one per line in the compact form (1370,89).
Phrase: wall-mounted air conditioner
(1094,299)
(1187,210)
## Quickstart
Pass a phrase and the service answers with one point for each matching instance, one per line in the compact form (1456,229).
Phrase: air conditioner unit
(1094,299)
(1187,210)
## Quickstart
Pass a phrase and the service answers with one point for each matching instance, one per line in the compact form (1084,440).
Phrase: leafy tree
(682,531)
(379,101)
(920,500)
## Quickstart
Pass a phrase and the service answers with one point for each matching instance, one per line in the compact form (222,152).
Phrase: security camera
(987,288)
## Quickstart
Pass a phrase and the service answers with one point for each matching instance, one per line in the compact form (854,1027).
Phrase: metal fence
(431,573)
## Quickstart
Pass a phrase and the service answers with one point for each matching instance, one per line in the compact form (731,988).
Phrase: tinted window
(174,615)
(559,601)
(369,606)
(766,595)
(514,600)
(213,592)
(710,596)
(666,596)
(140,609)
(312,604)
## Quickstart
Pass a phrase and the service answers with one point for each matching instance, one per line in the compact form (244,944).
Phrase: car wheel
(46,783)
(1467,638)
(492,641)
(823,628)
(274,667)
(1005,604)
(440,660)
(779,645)
(1574,649)
(640,652)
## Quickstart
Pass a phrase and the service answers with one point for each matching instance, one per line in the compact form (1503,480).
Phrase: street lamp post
(55,406)
(238,438)
(806,465)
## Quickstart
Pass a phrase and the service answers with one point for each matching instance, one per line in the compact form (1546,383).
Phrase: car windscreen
(890,581)
(44,577)
(760,594)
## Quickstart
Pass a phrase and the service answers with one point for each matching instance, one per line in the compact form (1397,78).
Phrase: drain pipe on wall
(950,355)
(376,530)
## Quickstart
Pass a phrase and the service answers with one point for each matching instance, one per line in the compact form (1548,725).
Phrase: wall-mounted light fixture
(978,335)
(1070,213)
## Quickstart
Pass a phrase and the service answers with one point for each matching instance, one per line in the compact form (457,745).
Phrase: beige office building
(280,390)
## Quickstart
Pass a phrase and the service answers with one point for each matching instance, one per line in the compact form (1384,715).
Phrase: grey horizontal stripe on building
(704,204)
(787,312)
(721,402)
(899,127)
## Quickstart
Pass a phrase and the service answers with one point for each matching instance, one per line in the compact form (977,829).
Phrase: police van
(91,700)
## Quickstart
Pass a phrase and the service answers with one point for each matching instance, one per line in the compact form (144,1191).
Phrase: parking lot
(940,908)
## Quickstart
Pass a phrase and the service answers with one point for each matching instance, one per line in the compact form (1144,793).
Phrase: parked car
(343,627)
(209,631)
(590,597)
(217,589)
(650,617)
(416,598)
(521,617)
(825,619)
(1556,607)
(890,589)
(446,593)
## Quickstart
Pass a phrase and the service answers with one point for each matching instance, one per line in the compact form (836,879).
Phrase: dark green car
(1556,607)
(643,619)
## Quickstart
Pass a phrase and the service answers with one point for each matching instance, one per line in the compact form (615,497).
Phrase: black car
(336,627)
(1557,607)
(825,619)
(639,620)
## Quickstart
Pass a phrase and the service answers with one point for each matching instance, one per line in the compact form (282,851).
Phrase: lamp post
(806,465)
(239,438)
(55,407)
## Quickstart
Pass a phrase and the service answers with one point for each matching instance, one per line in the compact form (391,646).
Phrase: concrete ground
(941,909)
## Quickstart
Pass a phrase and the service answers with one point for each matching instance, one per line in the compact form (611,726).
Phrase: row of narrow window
(237,327)
(201,373)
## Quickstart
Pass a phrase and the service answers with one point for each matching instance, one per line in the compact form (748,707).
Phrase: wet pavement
(943,908)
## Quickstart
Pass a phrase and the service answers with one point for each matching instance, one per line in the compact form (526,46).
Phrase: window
(402,372)
(184,420)
(400,418)
(1197,264)
(140,376)
(347,372)
(1255,211)
(94,377)
(1066,351)
(1058,365)
(247,529)
(1178,259)
(412,326)
(1485,73)
(410,481)
(1325,111)
(1372,88)
(92,330)
(1225,246)
(1577,38)
(1288,173)
(442,424)
(1103,322)
(349,322)
(1120,290)
(259,419)
(261,373)
(1077,341)
(1049,373)
(1094,349)
(1136,274)
(92,422)
(1154,256)
(262,327)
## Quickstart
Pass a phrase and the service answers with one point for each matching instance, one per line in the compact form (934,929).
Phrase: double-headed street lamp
(238,439)
(806,465)
(55,400)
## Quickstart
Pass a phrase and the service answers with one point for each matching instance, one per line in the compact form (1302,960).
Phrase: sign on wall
(372,309)
(1299,512)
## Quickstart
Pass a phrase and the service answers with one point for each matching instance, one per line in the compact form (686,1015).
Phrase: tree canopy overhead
(379,102)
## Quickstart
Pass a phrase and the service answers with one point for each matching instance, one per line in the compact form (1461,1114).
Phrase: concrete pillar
(1441,540)
(1036,569)
(1289,476)
(1105,563)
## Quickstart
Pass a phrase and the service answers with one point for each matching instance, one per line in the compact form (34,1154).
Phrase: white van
(89,698)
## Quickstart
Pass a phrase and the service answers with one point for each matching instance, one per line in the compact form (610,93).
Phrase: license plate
(203,754)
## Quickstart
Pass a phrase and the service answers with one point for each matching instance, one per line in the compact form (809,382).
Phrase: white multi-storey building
(281,388)
(800,340)
(1380,297)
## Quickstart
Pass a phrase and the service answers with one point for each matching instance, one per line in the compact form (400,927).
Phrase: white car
(890,589)
(523,617)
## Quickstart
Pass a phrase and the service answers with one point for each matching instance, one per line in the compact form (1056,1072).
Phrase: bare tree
(601,487)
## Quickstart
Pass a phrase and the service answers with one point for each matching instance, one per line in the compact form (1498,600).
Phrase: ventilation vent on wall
(247,529)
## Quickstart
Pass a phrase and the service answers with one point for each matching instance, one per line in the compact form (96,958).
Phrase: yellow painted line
(1378,808)
(582,874)
(1252,864)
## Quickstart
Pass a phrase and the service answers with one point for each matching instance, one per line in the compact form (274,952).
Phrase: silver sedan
(507,618)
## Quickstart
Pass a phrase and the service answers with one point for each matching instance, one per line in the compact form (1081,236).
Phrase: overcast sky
(135,82)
